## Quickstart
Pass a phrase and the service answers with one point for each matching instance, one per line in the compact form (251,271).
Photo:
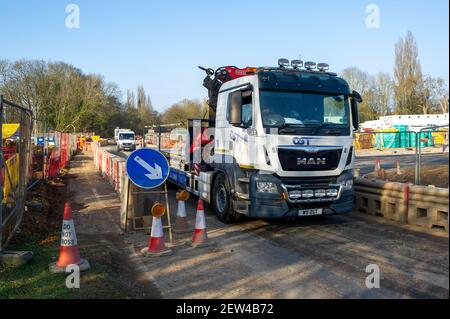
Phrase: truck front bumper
(280,204)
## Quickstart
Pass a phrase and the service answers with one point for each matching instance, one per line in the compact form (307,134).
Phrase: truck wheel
(222,202)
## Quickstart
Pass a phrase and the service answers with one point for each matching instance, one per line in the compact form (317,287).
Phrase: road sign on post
(147,168)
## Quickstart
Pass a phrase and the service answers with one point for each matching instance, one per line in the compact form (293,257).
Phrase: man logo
(299,141)
(311,161)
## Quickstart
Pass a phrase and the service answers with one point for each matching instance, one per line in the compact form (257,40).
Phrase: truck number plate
(310,212)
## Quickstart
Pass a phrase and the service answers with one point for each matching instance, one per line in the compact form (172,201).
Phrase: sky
(159,44)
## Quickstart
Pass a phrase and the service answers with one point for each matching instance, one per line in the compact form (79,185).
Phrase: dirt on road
(430,175)
(96,210)
(323,257)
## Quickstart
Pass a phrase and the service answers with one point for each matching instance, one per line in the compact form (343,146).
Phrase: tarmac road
(319,257)
(366,164)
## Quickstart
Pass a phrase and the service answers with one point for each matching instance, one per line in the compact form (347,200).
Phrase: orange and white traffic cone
(68,252)
(378,167)
(156,244)
(200,238)
(181,222)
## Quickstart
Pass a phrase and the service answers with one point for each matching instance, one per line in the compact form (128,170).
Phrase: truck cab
(282,143)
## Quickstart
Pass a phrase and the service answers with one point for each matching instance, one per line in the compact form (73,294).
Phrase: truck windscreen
(305,113)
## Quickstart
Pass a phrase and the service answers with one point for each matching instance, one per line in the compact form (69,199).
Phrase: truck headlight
(346,180)
(267,187)
(346,184)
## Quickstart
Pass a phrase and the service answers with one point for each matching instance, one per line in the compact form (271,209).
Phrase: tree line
(407,92)
(65,99)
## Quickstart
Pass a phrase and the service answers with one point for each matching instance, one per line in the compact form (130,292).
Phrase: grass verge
(34,281)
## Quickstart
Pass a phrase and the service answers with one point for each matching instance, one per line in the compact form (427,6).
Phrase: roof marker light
(323,67)
(310,65)
(283,63)
(296,64)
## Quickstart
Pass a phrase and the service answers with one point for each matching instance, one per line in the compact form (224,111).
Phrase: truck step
(244,180)
(242,211)
(241,196)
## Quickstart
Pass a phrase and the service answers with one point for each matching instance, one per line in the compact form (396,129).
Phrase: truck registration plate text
(310,212)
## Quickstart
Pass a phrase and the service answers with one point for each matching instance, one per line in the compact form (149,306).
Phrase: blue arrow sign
(147,168)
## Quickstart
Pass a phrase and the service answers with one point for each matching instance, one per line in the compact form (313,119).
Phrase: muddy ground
(430,175)
(95,211)
(112,274)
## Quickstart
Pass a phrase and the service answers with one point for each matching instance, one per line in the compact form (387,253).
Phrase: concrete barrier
(428,207)
(418,205)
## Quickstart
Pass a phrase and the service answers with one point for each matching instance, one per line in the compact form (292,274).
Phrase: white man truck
(281,144)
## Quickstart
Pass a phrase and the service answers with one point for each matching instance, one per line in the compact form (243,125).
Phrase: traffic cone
(378,167)
(181,222)
(383,174)
(156,245)
(68,251)
(200,238)
(399,172)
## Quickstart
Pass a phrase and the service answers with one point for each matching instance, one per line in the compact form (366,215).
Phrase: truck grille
(325,159)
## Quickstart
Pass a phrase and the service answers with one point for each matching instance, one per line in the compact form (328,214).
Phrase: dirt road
(304,258)
(96,210)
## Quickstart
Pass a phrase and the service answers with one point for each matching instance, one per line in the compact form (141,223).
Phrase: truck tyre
(222,200)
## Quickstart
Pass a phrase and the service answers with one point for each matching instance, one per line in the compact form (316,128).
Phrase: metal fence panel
(12,205)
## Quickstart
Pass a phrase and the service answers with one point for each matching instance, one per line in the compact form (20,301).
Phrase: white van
(126,141)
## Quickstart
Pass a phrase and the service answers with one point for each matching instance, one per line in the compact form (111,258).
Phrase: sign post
(148,169)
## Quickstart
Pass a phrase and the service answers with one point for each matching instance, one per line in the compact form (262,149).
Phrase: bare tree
(131,100)
(383,89)
(408,77)
(61,95)
(184,110)
(362,82)
(357,79)
(436,95)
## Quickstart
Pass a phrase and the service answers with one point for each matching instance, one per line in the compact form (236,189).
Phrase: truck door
(239,131)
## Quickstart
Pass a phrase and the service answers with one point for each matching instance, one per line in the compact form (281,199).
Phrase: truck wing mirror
(235,109)
(355,115)
(356,96)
